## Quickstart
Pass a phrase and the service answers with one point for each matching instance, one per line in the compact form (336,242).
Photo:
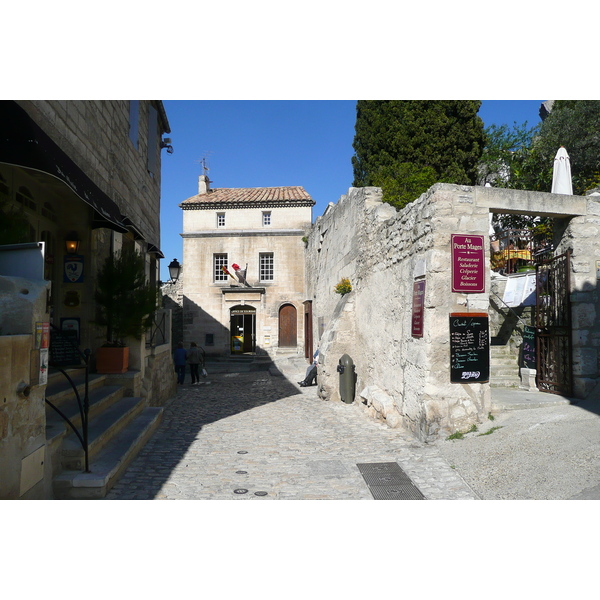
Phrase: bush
(343,287)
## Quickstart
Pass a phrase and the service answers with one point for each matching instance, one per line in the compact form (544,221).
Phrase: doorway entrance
(288,326)
(243,329)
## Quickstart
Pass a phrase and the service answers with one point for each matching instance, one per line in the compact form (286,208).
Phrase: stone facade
(263,229)
(75,168)
(405,379)
(97,175)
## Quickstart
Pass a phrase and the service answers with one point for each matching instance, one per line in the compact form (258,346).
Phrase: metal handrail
(84,407)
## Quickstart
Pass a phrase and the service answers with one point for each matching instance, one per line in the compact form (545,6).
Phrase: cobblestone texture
(292,445)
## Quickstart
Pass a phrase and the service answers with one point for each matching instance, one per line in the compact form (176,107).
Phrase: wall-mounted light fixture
(166,143)
(72,243)
(174,270)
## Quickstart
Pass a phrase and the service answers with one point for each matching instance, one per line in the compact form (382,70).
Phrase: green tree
(574,124)
(504,152)
(415,139)
(126,303)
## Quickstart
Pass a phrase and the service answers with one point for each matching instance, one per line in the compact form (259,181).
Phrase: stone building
(398,322)
(243,249)
(84,177)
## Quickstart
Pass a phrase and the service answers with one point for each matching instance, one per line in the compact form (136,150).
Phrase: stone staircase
(504,367)
(119,427)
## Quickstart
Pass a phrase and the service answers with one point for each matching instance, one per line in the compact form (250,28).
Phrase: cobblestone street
(261,433)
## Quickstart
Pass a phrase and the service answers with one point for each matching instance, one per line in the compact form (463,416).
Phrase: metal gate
(553,326)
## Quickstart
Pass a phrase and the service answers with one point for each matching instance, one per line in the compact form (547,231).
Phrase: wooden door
(288,334)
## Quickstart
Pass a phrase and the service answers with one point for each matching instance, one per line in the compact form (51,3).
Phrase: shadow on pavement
(219,396)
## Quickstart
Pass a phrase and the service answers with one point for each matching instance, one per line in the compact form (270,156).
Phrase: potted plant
(126,305)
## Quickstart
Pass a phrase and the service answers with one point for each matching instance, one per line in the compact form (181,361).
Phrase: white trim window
(266,218)
(266,266)
(219,261)
(221,219)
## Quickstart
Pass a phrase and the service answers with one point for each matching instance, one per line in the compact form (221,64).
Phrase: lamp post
(174,270)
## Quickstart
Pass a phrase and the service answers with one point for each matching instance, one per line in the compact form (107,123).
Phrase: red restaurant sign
(418,305)
(468,263)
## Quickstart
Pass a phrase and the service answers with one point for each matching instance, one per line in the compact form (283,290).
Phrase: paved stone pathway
(261,433)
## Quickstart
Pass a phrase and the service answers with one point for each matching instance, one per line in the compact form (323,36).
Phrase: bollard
(347,379)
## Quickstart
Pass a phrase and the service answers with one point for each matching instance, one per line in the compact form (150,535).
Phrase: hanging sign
(520,290)
(418,304)
(468,264)
(469,348)
(73,268)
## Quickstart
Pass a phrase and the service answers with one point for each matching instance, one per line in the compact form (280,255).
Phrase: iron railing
(84,405)
(513,250)
(157,333)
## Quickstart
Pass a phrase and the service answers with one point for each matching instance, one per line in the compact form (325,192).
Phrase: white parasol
(561,176)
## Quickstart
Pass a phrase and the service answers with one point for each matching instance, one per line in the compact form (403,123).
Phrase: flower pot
(112,360)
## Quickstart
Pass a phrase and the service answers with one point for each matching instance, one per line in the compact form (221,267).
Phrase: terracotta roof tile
(293,195)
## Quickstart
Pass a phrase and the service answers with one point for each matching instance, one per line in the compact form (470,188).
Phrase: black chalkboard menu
(63,349)
(529,361)
(469,348)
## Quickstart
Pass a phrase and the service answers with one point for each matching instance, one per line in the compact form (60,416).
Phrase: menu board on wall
(469,348)
(63,349)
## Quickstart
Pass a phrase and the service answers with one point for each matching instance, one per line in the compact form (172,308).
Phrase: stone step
(99,399)
(504,370)
(109,464)
(505,382)
(101,431)
(59,388)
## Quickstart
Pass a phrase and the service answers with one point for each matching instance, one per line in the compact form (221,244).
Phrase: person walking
(195,358)
(179,358)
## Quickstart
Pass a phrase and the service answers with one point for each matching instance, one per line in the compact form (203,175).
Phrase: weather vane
(202,162)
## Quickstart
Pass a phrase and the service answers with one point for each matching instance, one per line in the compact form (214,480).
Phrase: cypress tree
(404,146)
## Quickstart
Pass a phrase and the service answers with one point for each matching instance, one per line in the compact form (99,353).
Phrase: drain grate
(406,491)
(387,481)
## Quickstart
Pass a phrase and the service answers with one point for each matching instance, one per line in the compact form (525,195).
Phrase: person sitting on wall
(311,373)
(179,358)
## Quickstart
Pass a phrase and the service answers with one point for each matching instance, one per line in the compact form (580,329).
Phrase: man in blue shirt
(179,358)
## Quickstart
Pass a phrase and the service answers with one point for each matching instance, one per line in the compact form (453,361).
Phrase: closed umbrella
(561,175)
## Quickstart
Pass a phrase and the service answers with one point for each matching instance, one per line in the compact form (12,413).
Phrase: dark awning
(24,144)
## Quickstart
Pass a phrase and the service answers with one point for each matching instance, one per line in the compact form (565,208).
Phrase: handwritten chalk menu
(468,263)
(529,360)
(63,349)
(469,348)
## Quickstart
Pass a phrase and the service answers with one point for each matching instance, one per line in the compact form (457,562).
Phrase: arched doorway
(288,323)
(243,329)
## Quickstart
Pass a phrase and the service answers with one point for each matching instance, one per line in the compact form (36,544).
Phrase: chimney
(203,184)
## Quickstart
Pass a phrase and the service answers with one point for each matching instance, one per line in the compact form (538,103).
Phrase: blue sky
(262,143)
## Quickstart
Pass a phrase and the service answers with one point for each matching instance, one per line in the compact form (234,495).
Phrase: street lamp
(174,270)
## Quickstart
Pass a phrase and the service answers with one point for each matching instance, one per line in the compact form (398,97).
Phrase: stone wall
(23,473)
(382,252)
(581,235)
(95,135)
(404,379)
